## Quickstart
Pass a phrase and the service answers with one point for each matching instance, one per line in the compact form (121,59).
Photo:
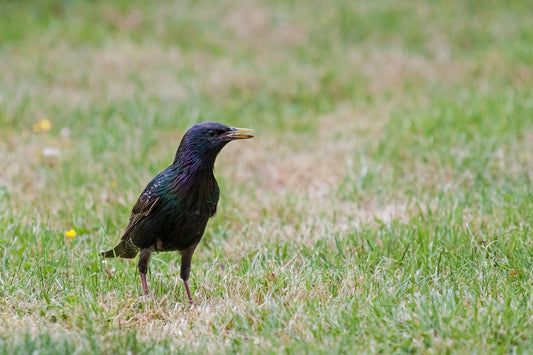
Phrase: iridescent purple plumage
(172,212)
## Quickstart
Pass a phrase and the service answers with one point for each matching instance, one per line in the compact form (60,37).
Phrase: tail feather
(124,249)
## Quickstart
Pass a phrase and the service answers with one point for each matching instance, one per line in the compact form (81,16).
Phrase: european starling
(172,212)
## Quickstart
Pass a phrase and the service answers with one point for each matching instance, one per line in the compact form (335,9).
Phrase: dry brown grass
(312,180)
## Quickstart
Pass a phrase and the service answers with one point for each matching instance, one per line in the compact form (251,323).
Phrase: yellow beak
(240,133)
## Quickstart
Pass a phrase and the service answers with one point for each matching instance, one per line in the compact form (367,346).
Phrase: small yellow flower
(43,125)
(70,234)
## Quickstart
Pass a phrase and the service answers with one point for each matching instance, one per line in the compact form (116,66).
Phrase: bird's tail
(124,249)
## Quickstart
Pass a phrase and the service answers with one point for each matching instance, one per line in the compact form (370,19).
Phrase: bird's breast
(184,224)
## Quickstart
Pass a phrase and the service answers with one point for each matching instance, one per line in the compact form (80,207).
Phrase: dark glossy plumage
(172,212)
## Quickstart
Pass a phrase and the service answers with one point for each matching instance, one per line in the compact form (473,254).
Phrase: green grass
(384,206)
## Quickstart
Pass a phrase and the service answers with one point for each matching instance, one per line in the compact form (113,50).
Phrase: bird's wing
(144,206)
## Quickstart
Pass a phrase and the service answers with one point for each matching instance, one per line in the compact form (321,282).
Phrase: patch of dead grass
(126,21)
(114,72)
(20,159)
(394,68)
(257,26)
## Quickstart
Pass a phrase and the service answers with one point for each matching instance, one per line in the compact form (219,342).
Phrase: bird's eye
(211,133)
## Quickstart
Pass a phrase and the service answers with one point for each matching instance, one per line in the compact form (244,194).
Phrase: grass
(384,206)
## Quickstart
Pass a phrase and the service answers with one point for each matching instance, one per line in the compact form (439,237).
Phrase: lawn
(384,206)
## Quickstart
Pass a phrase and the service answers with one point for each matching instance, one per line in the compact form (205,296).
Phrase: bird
(172,212)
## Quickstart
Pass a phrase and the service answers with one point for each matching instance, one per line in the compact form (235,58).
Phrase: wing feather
(142,208)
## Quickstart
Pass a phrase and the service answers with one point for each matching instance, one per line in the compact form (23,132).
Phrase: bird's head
(204,141)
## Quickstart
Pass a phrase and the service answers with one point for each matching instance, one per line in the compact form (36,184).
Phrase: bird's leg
(188,291)
(186,257)
(144,257)
(145,285)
